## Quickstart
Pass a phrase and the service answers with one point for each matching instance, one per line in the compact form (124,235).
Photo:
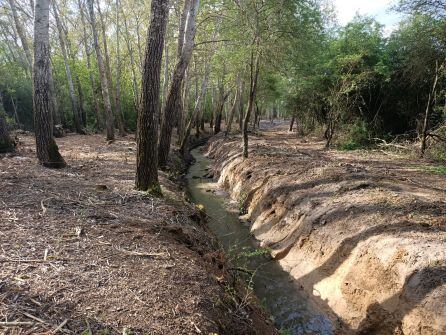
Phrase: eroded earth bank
(363,233)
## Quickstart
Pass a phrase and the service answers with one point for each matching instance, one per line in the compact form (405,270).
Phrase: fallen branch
(16,323)
(59,327)
(33,317)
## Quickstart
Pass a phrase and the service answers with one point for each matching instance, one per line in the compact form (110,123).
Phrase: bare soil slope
(364,233)
(82,252)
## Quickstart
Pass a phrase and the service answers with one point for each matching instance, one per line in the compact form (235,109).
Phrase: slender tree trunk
(424,132)
(166,73)
(219,111)
(21,32)
(185,109)
(180,105)
(119,115)
(138,24)
(147,134)
(241,106)
(254,65)
(292,122)
(175,88)
(16,115)
(97,110)
(58,115)
(233,108)
(213,104)
(46,147)
(6,143)
(132,63)
(104,83)
(73,98)
(198,104)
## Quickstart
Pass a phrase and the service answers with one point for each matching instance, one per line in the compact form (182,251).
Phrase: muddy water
(292,310)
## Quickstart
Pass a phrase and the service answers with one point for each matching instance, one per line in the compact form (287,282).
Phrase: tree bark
(241,106)
(233,108)
(292,123)
(132,63)
(6,143)
(119,115)
(46,147)
(73,98)
(175,88)
(104,83)
(147,133)
(219,111)
(424,131)
(97,110)
(254,66)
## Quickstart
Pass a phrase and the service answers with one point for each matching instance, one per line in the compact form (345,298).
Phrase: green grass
(435,169)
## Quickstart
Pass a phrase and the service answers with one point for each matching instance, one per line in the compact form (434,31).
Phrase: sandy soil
(82,252)
(363,232)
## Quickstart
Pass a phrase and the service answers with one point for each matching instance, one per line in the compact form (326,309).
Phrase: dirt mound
(82,252)
(363,232)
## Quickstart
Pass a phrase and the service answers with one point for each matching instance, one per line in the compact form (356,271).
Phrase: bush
(358,137)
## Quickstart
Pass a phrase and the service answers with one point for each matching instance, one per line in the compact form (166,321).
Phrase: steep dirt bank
(81,252)
(363,232)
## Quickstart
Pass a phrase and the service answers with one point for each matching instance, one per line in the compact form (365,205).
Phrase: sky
(377,8)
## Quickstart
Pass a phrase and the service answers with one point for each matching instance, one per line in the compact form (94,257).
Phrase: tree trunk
(119,115)
(424,132)
(241,106)
(292,122)
(254,65)
(97,111)
(147,134)
(16,115)
(73,98)
(21,33)
(138,23)
(46,147)
(234,107)
(198,104)
(104,83)
(219,111)
(6,143)
(175,88)
(132,63)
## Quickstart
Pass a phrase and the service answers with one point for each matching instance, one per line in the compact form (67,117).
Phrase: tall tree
(176,85)
(109,119)
(147,129)
(46,147)
(97,111)
(77,118)
(119,116)
(21,32)
(254,74)
(132,62)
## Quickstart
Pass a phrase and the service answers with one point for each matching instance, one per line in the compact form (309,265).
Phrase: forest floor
(82,252)
(362,232)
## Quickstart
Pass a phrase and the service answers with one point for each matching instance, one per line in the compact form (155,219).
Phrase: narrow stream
(292,310)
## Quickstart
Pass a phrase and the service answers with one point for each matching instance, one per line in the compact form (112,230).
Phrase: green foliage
(441,170)
(358,137)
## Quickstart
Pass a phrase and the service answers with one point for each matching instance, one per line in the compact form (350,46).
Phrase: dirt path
(81,251)
(363,232)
